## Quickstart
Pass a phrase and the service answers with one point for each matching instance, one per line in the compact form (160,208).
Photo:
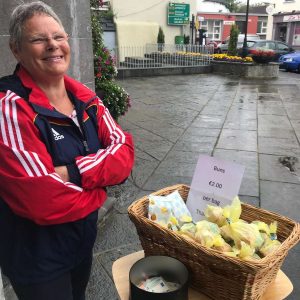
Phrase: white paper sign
(215,182)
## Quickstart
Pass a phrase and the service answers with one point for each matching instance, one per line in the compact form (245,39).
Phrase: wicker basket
(211,272)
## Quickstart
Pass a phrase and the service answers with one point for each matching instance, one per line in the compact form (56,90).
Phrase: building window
(213,28)
(262,27)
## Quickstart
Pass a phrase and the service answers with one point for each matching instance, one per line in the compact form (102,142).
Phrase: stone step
(138,60)
(151,64)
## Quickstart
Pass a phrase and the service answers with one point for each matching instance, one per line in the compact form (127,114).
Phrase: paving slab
(281,197)
(162,128)
(117,229)
(266,122)
(279,146)
(296,127)
(144,166)
(250,182)
(101,285)
(208,121)
(241,119)
(292,110)
(205,144)
(157,182)
(151,144)
(291,267)
(238,140)
(125,194)
(268,97)
(273,170)
(277,133)
(271,108)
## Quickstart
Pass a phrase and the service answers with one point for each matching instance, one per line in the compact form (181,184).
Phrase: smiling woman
(59,149)
(45,53)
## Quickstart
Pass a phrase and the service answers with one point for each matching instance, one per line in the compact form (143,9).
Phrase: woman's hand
(62,171)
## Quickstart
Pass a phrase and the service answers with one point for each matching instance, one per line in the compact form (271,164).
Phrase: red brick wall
(252,22)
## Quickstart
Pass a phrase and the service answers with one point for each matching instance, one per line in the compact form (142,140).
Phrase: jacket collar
(38,97)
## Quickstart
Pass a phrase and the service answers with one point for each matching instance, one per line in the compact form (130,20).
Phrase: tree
(160,36)
(160,39)
(234,32)
(232,5)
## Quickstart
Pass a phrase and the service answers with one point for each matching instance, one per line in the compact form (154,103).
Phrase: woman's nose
(52,44)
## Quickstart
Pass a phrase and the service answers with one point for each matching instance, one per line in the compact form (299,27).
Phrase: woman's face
(44,50)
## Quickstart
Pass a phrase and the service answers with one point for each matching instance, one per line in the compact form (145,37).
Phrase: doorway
(282,29)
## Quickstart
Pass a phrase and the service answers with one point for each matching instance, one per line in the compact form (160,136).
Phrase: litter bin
(179,40)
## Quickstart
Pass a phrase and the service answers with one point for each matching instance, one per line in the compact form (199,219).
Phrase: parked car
(278,47)
(214,44)
(223,47)
(290,62)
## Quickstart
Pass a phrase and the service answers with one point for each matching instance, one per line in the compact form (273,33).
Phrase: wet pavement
(174,119)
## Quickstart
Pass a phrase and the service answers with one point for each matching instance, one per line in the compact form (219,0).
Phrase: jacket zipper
(82,131)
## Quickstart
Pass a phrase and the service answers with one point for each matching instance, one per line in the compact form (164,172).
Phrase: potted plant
(160,39)
(262,56)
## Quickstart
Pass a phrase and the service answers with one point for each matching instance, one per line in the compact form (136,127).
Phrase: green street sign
(178,14)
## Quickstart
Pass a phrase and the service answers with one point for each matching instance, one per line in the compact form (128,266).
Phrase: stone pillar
(75,16)
(1,288)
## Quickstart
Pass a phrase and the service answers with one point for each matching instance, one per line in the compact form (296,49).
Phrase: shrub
(116,99)
(160,36)
(234,32)
(186,39)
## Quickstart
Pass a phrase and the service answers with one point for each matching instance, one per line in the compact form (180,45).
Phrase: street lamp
(245,48)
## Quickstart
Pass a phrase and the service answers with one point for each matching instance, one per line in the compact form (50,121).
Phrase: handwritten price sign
(215,182)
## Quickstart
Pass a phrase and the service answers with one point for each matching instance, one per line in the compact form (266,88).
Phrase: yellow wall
(139,13)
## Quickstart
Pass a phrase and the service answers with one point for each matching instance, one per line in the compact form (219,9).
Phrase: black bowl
(169,268)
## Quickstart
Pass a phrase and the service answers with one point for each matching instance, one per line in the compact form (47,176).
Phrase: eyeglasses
(39,40)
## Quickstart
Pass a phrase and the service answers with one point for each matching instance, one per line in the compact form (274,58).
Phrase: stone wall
(75,16)
(250,70)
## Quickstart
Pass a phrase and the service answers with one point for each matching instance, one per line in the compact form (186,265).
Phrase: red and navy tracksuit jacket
(47,226)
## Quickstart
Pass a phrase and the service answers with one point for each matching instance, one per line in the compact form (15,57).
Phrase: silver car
(223,47)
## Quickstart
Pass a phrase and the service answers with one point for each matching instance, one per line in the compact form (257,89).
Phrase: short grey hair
(24,12)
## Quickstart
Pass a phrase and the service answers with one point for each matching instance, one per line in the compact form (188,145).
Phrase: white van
(223,47)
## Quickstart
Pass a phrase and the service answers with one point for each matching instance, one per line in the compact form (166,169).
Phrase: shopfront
(286,28)
(218,25)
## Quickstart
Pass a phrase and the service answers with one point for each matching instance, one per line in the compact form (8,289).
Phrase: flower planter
(247,70)
(262,59)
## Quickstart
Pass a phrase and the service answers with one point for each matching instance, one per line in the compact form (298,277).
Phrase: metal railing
(162,56)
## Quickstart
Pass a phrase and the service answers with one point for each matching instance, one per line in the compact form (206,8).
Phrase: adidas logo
(57,136)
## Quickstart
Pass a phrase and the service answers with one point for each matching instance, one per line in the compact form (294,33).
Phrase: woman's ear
(14,49)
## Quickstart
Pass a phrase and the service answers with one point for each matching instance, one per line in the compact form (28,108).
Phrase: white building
(138,21)
(284,21)
(211,6)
